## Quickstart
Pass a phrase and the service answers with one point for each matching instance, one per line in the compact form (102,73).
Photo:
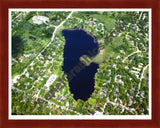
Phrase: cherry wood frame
(6,4)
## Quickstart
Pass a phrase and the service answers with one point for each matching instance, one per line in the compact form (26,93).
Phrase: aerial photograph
(79,62)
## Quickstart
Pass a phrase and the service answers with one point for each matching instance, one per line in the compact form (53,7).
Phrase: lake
(79,42)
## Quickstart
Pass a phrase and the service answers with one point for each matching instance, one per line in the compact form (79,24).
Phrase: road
(137,46)
(142,76)
(140,15)
(52,38)
(18,90)
(131,55)
(117,104)
(18,16)
(14,80)
(62,107)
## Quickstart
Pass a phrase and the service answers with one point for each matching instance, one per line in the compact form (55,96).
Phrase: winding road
(117,104)
(131,55)
(142,76)
(14,80)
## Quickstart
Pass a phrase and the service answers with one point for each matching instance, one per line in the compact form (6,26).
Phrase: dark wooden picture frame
(4,39)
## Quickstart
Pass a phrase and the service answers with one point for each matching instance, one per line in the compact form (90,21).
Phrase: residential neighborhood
(39,86)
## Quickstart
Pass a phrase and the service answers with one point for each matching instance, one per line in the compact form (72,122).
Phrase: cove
(79,42)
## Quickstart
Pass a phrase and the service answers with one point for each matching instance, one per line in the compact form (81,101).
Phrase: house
(21,59)
(81,20)
(120,108)
(109,71)
(118,101)
(135,72)
(109,81)
(32,101)
(138,39)
(122,51)
(31,37)
(118,80)
(143,17)
(37,74)
(26,84)
(127,38)
(51,79)
(142,94)
(31,78)
(107,113)
(105,89)
(132,43)
(114,34)
(121,21)
(62,100)
(104,84)
(46,63)
(114,65)
(67,104)
(147,81)
(70,107)
(118,57)
(115,94)
(126,67)
(101,96)
(90,24)
(27,74)
(140,65)
(95,25)
(137,107)
(98,113)
(24,99)
(128,24)
(131,97)
(117,89)
(136,69)
(130,102)
(96,30)
(45,87)
(34,109)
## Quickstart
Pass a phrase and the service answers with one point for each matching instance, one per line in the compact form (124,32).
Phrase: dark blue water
(80,76)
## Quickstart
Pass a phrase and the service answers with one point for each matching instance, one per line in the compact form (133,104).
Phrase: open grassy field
(109,23)
(110,50)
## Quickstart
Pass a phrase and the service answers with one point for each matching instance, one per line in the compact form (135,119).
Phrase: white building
(133,71)
(27,74)
(140,65)
(118,80)
(40,19)
(137,69)
(126,67)
(98,113)
(122,51)
(46,63)
(118,57)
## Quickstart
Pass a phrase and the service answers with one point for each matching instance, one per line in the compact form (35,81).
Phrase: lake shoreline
(83,81)
(80,28)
